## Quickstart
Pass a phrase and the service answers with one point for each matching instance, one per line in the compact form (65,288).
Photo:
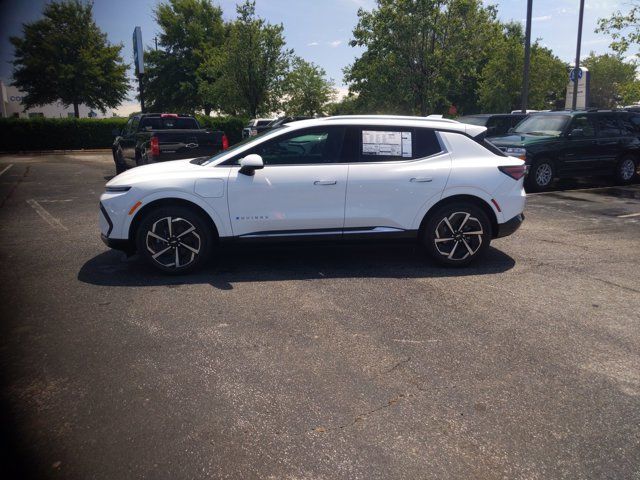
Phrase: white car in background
(430,180)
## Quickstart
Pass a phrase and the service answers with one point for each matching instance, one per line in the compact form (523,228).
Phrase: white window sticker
(386,143)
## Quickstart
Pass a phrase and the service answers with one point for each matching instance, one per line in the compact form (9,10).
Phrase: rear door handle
(421,179)
(325,182)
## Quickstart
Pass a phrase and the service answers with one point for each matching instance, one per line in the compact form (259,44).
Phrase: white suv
(338,178)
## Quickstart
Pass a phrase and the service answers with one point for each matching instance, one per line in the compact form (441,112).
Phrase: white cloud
(312,44)
(335,43)
(542,18)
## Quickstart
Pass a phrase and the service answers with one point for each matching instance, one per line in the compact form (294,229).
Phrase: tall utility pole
(576,78)
(527,58)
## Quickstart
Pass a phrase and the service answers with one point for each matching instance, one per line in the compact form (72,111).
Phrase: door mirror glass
(251,163)
(577,132)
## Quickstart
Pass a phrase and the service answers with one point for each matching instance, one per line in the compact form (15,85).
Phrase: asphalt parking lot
(359,362)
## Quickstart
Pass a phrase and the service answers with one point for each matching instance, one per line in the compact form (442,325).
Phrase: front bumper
(510,226)
(118,244)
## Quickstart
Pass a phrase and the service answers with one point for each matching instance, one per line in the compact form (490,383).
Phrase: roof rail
(431,118)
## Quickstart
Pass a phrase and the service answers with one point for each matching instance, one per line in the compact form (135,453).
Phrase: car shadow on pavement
(251,263)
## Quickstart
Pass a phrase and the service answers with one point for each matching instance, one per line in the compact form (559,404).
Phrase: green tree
(420,55)
(500,86)
(611,77)
(624,28)
(192,33)
(254,64)
(307,89)
(65,57)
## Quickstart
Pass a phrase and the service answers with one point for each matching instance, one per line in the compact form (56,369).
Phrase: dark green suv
(568,144)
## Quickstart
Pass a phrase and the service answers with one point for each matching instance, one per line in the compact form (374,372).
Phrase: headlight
(521,153)
(117,189)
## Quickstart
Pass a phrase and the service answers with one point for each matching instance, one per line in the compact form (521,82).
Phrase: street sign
(138,51)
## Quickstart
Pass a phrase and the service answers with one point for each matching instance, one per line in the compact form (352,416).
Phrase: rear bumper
(510,226)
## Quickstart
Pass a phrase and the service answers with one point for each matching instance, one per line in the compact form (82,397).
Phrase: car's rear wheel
(457,234)
(540,176)
(626,169)
(175,239)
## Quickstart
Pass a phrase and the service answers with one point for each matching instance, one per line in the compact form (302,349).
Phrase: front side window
(314,145)
(584,123)
(543,125)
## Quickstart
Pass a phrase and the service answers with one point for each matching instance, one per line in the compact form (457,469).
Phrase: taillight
(155,147)
(225,142)
(515,171)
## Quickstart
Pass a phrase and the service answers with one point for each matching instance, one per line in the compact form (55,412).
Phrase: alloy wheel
(544,174)
(458,236)
(173,242)
(627,169)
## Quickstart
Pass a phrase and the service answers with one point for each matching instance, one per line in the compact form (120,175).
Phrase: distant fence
(32,134)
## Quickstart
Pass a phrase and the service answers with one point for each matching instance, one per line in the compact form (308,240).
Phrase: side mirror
(251,163)
(115,132)
(511,130)
(576,132)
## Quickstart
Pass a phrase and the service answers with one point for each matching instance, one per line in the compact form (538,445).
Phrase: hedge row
(29,134)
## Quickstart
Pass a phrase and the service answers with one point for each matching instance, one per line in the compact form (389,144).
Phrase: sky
(318,30)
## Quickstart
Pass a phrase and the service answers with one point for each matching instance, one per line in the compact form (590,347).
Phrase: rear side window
(630,124)
(608,126)
(384,144)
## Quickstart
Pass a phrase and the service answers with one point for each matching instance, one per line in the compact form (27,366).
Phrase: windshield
(482,121)
(543,125)
(240,144)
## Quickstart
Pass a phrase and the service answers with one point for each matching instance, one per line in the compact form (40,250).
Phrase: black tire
(464,247)
(121,166)
(626,169)
(540,176)
(191,235)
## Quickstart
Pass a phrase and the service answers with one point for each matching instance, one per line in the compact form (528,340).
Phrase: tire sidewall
(119,162)
(429,228)
(203,228)
(531,180)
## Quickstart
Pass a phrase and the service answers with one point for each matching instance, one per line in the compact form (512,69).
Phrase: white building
(11,106)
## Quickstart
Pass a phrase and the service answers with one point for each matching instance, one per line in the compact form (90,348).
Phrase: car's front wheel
(174,239)
(626,169)
(541,175)
(457,234)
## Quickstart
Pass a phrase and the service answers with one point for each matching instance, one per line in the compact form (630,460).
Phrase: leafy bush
(32,134)
(22,134)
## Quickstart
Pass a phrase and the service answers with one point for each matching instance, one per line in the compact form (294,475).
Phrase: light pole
(574,101)
(527,58)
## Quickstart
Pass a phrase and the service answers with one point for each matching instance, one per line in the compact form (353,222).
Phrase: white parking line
(46,216)
(6,168)
(629,215)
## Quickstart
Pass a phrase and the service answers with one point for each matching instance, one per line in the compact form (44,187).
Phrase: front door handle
(421,179)
(325,182)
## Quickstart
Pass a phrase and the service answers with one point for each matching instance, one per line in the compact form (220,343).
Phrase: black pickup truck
(158,137)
